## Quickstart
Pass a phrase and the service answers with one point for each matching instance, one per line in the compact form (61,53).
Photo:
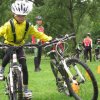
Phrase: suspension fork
(69,72)
(67,69)
(78,72)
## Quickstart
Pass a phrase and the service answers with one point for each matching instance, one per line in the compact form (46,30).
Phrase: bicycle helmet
(88,34)
(22,7)
(39,18)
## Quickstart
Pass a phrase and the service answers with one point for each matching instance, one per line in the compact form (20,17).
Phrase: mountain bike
(73,77)
(14,77)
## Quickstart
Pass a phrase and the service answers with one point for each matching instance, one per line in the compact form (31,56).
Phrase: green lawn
(42,83)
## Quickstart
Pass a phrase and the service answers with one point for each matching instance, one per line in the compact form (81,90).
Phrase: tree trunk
(71,20)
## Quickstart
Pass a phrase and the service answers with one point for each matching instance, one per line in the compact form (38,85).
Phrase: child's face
(20,18)
(39,22)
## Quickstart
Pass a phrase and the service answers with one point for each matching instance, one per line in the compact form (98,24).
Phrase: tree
(62,16)
(38,2)
(65,16)
(5,9)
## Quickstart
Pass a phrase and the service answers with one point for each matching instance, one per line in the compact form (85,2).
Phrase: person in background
(78,49)
(97,49)
(87,44)
(38,51)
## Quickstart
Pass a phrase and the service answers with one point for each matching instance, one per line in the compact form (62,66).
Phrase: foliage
(69,16)
(5,9)
(60,17)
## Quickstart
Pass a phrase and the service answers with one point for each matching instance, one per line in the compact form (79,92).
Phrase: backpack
(87,42)
(14,33)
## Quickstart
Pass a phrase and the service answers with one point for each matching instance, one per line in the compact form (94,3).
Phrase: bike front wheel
(14,83)
(18,92)
(82,81)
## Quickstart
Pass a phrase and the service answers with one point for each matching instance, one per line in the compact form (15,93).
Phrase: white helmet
(21,7)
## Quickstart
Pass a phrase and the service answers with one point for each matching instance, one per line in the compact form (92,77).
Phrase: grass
(42,83)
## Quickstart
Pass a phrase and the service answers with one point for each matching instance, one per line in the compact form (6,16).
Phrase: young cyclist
(19,9)
(78,49)
(38,51)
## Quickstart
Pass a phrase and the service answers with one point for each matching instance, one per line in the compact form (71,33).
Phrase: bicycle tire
(18,93)
(17,86)
(84,70)
(10,95)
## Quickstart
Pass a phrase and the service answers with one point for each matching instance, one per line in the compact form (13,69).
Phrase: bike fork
(67,69)
(78,72)
(69,72)
(11,79)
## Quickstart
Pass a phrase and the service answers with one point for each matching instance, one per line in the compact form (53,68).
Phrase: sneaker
(1,73)
(27,94)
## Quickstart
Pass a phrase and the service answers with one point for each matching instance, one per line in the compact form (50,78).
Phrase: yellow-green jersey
(6,32)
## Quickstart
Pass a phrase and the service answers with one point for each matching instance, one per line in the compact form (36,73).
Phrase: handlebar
(66,37)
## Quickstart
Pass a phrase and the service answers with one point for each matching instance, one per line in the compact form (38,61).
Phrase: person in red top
(87,44)
(38,51)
